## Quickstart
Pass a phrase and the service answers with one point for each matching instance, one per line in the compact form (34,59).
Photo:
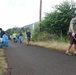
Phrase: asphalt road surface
(33,60)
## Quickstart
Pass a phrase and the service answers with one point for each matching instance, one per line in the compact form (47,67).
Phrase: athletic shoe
(74,53)
(68,53)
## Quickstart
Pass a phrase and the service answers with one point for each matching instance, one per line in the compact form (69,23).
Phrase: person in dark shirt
(28,35)
(1,32)
(1,35)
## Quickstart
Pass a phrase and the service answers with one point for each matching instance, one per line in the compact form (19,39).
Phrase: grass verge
(61,46)
(3,63)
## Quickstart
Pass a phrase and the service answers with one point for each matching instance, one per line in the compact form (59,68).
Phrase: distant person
(72,33)
(20,37)
(1,35)
(14,36)
(5,40)
(28,35)
(1,32)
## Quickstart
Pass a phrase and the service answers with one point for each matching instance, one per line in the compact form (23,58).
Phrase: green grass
(1,72)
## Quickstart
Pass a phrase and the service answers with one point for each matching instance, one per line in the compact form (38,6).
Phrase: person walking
(28,35)
(72,34)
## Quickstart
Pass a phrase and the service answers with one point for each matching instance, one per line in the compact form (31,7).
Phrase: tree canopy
(57,22)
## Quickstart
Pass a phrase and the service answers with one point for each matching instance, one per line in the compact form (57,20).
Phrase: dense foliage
(57,22)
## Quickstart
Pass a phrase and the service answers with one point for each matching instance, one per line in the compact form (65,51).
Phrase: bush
(45,36)
(41,36)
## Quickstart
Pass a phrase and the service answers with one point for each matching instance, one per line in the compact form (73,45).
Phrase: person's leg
(69,47)
(27,42)
(20,41)
(28,39)
(21,38)
(68,50)
(13,39)
(74,48)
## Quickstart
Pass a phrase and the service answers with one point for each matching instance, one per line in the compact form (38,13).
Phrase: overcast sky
(22,12)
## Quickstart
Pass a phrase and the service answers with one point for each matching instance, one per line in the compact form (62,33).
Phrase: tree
(57,22)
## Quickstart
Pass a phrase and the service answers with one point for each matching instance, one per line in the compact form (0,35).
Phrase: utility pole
(72,3)
(40,14)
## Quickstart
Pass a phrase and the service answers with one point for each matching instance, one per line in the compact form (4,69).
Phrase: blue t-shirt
(28,34)
(5,37)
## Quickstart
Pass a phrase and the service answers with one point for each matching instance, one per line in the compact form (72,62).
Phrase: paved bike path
(33,60)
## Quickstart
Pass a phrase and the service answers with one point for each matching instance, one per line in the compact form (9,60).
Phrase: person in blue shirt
(5,40)
(28,35)
(21,37)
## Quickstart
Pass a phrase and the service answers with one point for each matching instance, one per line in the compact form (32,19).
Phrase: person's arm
(72,29)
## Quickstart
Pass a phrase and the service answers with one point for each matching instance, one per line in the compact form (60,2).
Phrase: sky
(18,13)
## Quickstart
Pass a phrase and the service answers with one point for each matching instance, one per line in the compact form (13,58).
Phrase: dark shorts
(14,39)
(72,39)
(28,38)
